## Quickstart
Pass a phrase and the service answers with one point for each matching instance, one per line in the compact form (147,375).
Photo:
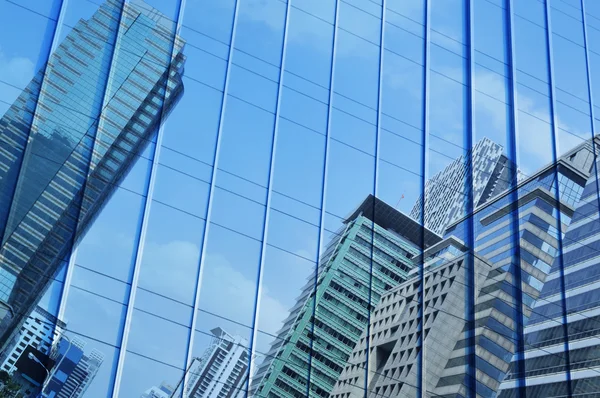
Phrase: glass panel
(380,223)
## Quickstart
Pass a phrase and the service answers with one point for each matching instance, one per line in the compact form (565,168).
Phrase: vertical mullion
(73,255)
(323,187)
(555,156)
(257,299)
(145,219)
(513,142)
(591,99)
(375,186)
(469,230)
(424,175)
(211,189)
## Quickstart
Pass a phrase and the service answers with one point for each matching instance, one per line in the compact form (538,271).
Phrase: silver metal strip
(375,182)
(324,180)
(424,165)
(591,98)
(73,255)
(557,193)
(470,286)
(211,190)
(144,229)
(263,248)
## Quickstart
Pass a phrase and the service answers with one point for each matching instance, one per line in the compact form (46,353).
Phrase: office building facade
(40,330)
(74,370)
(525,219)
(562,340)
(221,371)
(445,196)
(375,249)
(144,239)
(386,360)
(64,152)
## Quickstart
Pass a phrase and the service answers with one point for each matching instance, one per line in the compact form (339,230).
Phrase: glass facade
(294,198)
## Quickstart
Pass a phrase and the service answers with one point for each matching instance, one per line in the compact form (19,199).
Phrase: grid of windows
(292,198)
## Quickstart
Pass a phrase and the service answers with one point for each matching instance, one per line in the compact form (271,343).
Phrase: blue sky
(169,262)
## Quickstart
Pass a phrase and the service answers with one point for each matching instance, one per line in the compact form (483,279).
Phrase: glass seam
(324,182)
(559,258)
(470,302)
(424,176)
(257,299)
(146,216)
(375,185)
(211,189)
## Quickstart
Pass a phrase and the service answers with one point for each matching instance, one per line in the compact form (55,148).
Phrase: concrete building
(388,356)
(372,254)
(517,227)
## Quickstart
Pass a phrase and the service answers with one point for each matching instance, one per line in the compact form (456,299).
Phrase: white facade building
(446,193)
(37,331)
(163,391)
(221,370)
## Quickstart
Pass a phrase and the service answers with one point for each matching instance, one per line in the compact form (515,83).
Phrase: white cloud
(16,71)
(227,292)
(305,29)
(534,135)
(170,269)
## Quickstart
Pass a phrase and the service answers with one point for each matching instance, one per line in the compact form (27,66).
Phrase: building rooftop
(387,217)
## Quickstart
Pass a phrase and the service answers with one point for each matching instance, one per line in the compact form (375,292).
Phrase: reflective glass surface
(299,198)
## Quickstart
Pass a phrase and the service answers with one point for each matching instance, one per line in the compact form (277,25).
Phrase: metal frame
(257,299)
(424,176)
(211,190)
(144,226)
(470,294)
(559,258)
(513,156)
(375,186)
(324,184)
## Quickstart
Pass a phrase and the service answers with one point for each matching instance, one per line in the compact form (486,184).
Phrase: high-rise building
(221,370)
(562,348)
(388,357)
(374,249)
(73,134)
(40,330)
(74,369)
(294,112)
(391,348)
(445,193)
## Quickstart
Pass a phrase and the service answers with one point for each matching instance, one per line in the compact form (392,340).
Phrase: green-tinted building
(374,248)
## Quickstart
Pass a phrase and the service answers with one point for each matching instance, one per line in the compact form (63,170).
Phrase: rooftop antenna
(401,197)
